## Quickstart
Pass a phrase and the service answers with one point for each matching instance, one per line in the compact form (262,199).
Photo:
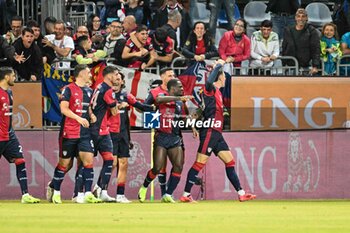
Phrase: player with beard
(104,104)
(10,147)
(120,134)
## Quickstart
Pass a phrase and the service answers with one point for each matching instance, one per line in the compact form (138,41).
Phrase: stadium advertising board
(266,103)
(273,165)
(27,105)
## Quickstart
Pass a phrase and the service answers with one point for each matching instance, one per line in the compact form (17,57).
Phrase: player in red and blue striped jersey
(168,139)
(166,74)
(120,134)
(75,137)
(10,147)
(211,139)
(104,104)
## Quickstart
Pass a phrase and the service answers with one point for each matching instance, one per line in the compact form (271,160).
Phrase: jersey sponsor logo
(5,107)
(77,103)
(151,120)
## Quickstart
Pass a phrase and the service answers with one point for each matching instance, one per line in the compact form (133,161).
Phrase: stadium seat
(318,14)
(219,33)
(254,13)
(200,13)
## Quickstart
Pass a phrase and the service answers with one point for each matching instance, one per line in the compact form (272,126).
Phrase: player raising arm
(211,139)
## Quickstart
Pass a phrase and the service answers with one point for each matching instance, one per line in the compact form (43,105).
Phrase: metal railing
(244,71)
(343,68)
(79,12)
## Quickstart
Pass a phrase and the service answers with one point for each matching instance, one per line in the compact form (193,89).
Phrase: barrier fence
(79,12)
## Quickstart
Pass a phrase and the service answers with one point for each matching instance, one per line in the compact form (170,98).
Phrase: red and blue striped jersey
(102,100)
(171,114)
(212,106)
(153,94)
(120,122)
(6,105)
(79,101)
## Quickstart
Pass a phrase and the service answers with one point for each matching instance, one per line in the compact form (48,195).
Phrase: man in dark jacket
(31,66)
(47,52)
(161,18)
(302,41)
(7,53)
(282,14)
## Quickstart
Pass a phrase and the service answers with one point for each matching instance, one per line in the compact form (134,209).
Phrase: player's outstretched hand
(186,98)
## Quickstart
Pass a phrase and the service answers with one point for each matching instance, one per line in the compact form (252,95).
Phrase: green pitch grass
(207,216)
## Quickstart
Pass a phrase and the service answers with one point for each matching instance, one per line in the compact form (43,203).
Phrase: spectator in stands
(49,24)
(85,54)
(135,8)
(264,48)
(161,18)
(215,8)
(113,11)
(3,18)
(163,48)
(138,58)
(330,48)
(115,41)
(345,48)
(7,53)
(341,16)
(62,45)
(234,46)
(282,14)
(81,31)
(129,25)
(7,11)
(31,67)
(69,29)
(199,45)
(16,30)
(94,26)
(302,41)
(174,22)
(47,52)
(95,32)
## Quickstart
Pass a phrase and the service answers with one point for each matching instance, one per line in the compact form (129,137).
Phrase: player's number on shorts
(20,149)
